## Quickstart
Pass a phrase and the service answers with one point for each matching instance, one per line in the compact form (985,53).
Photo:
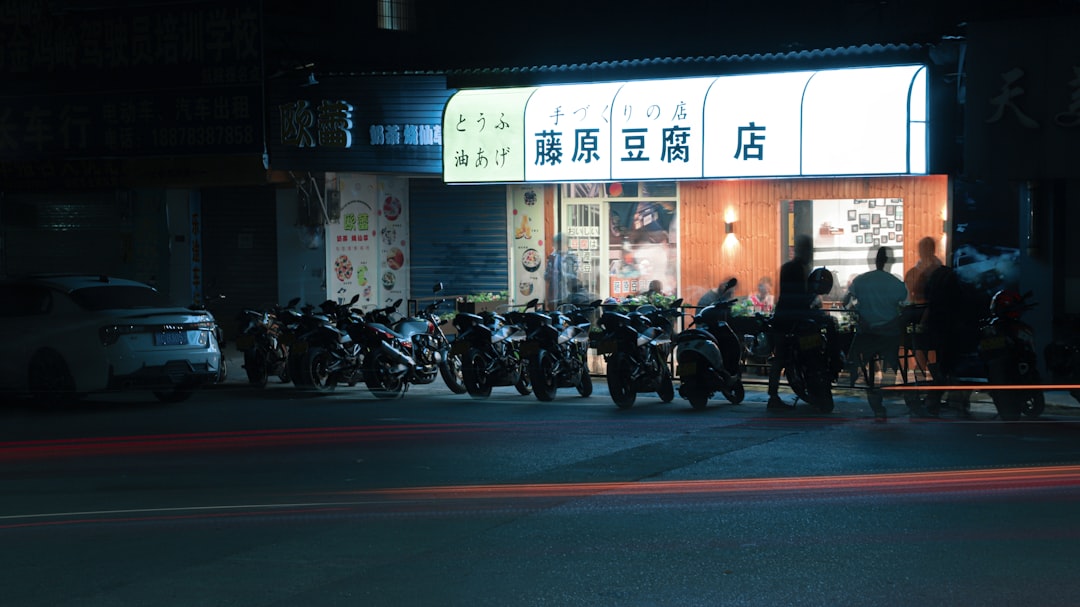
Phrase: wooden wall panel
(709,256)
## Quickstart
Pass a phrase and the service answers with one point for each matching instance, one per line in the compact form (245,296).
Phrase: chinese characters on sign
(330,125)
(1010,98)
(775,124)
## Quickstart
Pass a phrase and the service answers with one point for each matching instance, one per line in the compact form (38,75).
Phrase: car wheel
(49,378)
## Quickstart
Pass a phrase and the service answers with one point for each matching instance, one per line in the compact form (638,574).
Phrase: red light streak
(981,387)
(960,480)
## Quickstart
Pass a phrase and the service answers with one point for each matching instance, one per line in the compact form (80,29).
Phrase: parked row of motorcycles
(319,347)
(538,352)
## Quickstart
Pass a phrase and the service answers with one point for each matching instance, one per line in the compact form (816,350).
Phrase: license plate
(170,338)
(459,347)
(530,348)
(245,342)
(687,368)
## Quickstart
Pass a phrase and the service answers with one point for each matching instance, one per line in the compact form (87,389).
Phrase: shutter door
(90,233)
(459,237)
(239,251)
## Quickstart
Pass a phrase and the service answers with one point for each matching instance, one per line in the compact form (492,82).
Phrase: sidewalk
(1055,399)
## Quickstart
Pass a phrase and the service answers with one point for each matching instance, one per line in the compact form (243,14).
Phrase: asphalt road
(277,497)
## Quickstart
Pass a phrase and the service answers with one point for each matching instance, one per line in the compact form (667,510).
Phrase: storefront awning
(859,121)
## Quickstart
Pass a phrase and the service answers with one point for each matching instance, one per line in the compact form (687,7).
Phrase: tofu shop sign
(857,121)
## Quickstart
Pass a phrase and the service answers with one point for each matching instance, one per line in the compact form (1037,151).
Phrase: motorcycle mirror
(532,303)
(397,303)
(730,284)
(355,298)
(596,304)
(438,287)
(677,303)
(293,302)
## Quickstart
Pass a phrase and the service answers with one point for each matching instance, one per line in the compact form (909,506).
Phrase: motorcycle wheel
(618,379)
(542,372)
(255,366)
(296,371)
(452,374)
(737,393)
(284,375)
(666,389)
(315,365)
(1033,405)
(699,399)
(475,384)
(524,384)
(584,385)
(380,381)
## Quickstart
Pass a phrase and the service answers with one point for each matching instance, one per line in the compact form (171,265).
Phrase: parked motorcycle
(489,347)
(557,350)
(325,352)
(1007,348)
(635,347)
(812,350)
(263,341)
(709,356)
(409,350)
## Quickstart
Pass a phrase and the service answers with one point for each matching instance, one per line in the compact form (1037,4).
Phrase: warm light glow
(729,215)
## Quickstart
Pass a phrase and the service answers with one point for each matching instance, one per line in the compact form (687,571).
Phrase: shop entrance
(625,236)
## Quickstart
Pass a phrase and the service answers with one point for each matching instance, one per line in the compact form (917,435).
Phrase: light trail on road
(418,501)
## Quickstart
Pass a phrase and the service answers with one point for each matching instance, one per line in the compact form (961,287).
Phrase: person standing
(792,304)
(560,272)
(878,296)
(915,316)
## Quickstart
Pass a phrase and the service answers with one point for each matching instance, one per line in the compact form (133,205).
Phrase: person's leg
(776,365)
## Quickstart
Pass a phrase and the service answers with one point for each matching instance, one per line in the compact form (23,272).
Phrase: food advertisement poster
(642,244)
(527,225)
(368,242)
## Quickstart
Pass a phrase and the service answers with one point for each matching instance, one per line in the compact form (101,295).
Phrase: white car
(68,336)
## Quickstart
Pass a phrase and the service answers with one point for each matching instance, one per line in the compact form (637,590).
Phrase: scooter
(709,356)
(1007,348)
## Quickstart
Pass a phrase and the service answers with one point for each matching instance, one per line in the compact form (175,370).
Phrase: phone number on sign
(203,135)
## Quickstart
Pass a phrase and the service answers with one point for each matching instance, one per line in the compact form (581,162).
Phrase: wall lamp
(729,227)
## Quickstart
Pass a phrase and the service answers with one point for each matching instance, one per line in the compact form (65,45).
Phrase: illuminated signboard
(863,121)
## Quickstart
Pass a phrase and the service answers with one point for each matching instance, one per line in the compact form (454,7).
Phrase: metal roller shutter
(459,236)
(239,251)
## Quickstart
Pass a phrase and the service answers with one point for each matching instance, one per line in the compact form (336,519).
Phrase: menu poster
(527,225)
(849,231)
(352,253)
(393,235)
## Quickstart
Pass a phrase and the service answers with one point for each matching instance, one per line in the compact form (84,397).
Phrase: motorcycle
(556,347)
(710,356)
(812,350)
(326,353)
(409,350)
(490,349)
(264,343)
(635,348)
(1007,348)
